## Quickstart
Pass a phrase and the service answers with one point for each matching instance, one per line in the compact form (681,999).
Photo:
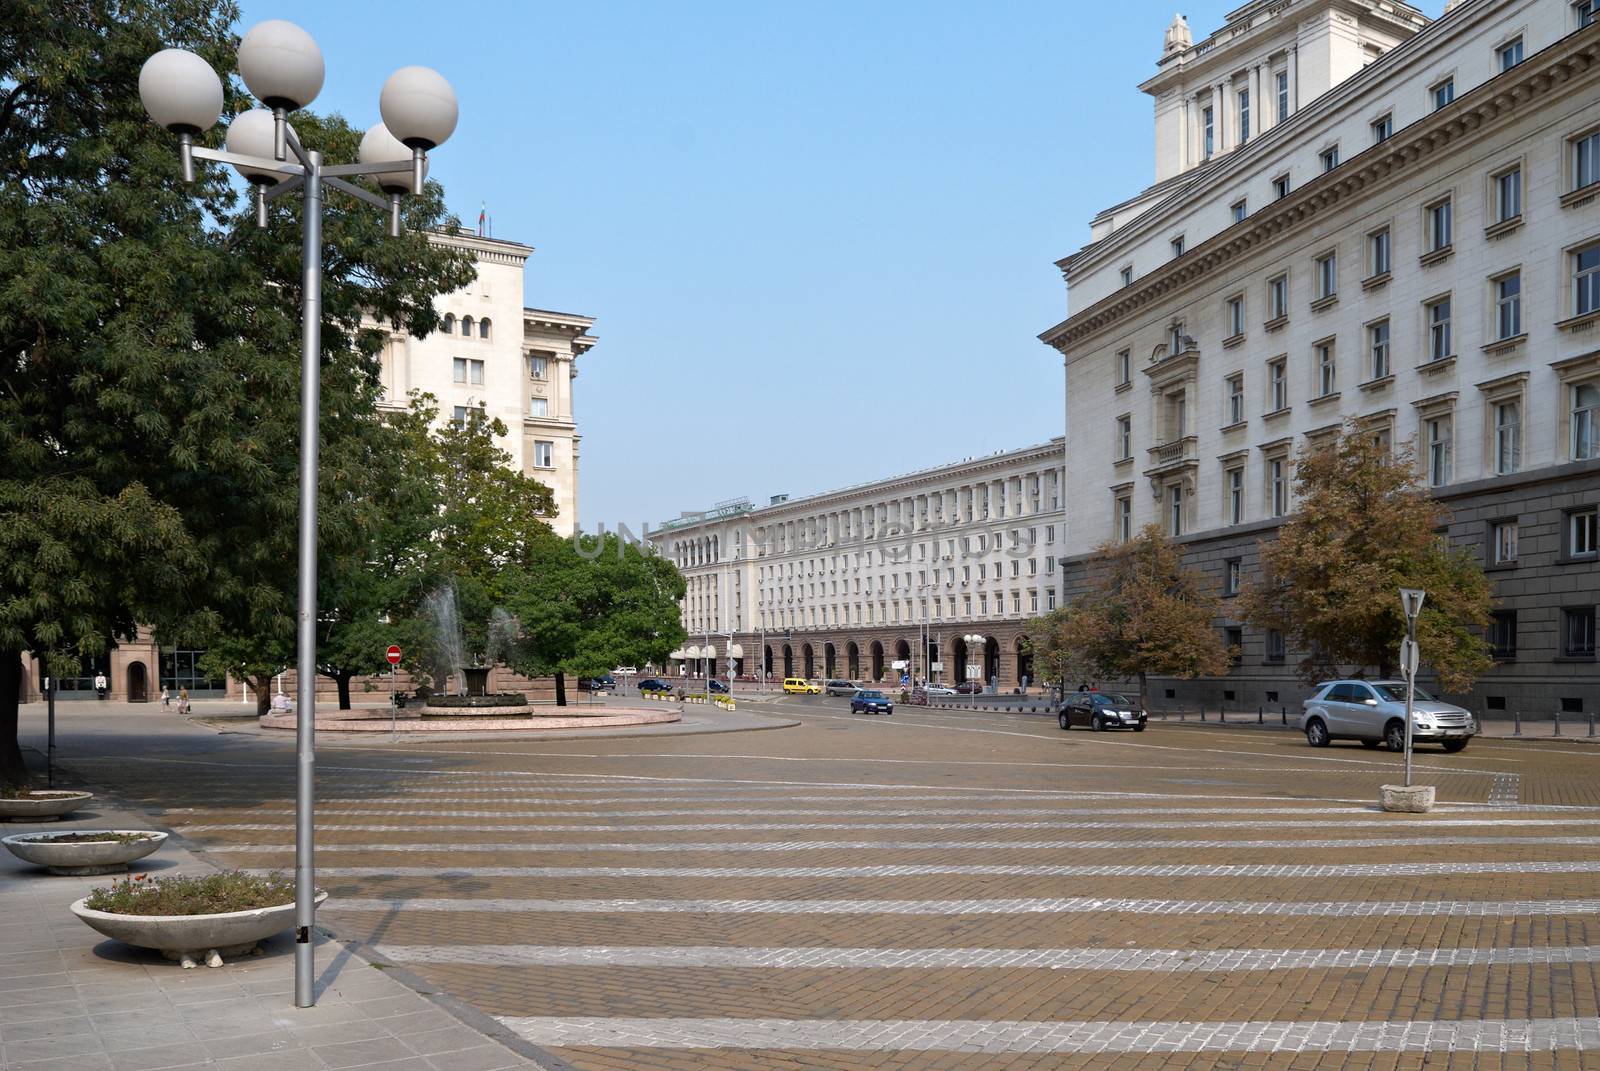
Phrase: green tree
(1059,658)
(1365,528)
(1144,614)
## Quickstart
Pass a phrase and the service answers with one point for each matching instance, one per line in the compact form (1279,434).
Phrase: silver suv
(1374,712)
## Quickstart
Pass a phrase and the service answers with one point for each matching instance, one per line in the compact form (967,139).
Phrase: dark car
(655,684)
(717,687)
(1101,711)
(603,683)
(869,702)
(969,688)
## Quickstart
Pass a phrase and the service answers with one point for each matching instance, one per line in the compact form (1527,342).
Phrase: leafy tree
(1051,641)
(1366,527)
(1143,614)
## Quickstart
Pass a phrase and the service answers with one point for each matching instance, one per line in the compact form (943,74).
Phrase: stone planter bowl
(83,857)
(47,809)
(188,938)
(1418,799)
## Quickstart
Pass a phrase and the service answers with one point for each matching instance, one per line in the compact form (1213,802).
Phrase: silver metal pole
(305,885)
(1411,687)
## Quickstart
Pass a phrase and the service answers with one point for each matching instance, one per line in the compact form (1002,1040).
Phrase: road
(937,889)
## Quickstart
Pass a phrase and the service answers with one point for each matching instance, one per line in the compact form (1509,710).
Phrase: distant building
(1358,215)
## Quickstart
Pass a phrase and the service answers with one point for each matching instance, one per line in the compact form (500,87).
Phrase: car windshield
(870,695)
(1396,693)
(1112,699)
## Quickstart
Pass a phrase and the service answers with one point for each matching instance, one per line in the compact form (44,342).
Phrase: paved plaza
(936,889)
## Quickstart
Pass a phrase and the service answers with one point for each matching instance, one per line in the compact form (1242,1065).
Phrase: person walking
(183,700)
(100,685)
(166,696)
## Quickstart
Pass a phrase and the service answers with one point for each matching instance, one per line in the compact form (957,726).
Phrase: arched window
(449,323)
(466,326)
(483,327)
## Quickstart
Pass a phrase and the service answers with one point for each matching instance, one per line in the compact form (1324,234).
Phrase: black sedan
(1101,711)
(865,702)
(655,684)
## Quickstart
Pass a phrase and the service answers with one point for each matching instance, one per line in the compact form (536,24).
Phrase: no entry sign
(393,655)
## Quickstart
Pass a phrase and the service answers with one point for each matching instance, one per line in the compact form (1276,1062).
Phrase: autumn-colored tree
(1144,614)
(1366,528)
(1057,657)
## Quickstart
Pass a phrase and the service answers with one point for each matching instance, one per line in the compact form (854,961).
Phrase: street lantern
(282,65)
(1411,600)
(974,640)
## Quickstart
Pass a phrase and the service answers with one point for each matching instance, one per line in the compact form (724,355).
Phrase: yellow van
(801,686)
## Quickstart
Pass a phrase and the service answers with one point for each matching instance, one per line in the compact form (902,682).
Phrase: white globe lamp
(281,64)
(419,108)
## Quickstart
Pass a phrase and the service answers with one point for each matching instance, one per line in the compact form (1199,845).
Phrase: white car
(937,689)
(1374,712)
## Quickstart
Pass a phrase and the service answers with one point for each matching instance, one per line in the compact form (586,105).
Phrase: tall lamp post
(970,639)
(282,65)
(1411,601)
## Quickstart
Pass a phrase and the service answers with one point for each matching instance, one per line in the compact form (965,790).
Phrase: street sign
(393,654)
(937,667)
(899,663)
(1409,658)
(973,669)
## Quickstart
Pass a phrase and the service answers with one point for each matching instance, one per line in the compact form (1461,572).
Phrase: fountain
(448,658)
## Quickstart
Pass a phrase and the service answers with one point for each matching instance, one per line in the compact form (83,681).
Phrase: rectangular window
(1507,439)
(1177,246)
(1330,158)
(1209,122)
(538,367)
(1582,533)
(1327,275)
(1509,54)
(1127,276)
(1378,349)
(1439,342)
(1033,602)
(1577,632)
(543,454)
(1233,639)
(1278,294)
(1175,338)
(1503,539)
(1278,485)
(475,373)
(1508,195)
(462,413)
(1379,252)
(1322,354)
(1439,229)
(1275,645)
(1235,316)
(1124,438)
(1280,187)
(1586,280)
(1124,518)
(1124,367)
(1437,432)
(1502,633)
(1283,95)
(1585,160)
(1586,10)
(1443,93)
(1586,421)
(1382,129)
(1244,115)
(1277,385)
(1236,496)
(1235,411)
(1175,510)
(459,369)
(538,407)
(1241,209)
(1508,306)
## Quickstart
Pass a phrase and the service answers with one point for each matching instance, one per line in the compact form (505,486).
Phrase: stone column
(1257,113)
(1294,79)
(1219,94)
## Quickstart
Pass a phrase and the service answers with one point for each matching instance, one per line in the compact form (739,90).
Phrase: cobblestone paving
(1211,898)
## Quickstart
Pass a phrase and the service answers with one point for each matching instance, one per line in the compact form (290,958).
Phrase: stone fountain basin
(43,805)
(83,857)
(184,937)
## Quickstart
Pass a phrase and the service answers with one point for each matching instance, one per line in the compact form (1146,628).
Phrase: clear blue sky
(818,238)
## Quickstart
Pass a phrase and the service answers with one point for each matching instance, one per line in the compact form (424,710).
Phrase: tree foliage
(1052,641)
(1365,528)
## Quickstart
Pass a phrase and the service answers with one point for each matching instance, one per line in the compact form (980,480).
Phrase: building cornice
(1573,56)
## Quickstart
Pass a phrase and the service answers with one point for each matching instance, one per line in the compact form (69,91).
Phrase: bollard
(1558,724)
(1516,723)
(1261,717)
(1222,714)
(1283,712)
(1202,713)
(1591,724)
(1182,714)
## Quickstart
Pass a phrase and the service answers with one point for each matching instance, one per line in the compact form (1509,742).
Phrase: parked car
(717,687)
(605,683)
(969,688)
(624,671)
(801,686)
(1374,712)
(841,687)
(870,702)
(656,684)
(1101,711)
(937,689)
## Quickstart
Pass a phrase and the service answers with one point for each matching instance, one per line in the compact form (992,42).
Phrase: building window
(462,413)
(1127,276)
(1233,639)
(538,367)
(1033,602)
(1176,339)
(544,454)
(1586,280)
(1280,187)
(1278,295)
(1236,316)
(1509,54)
(466,326)
(1439,346)
(1323,357)
(1124,438)
(483,327)
(1236,495)
(1175,510)
(1585,421)
(1437,433)
(1283,95)
(1586,10)
(1379,252)
(1508,306)
(1507,438)
(1577,632)
(1123,517)
(1124,368)
(449,324)
(1582,533)
(1177,246)
(1443,93)
(1277,385)
(1382,129)
(1278,485)
(1502,633)
(1244,115)
(1235,411)
(468,371)
(1330,158)
(1438,223)
(1378,349)
(1208,120)
(1327,275)
(1508,195)
(538,407)
(1241,209)
(1232,575)
(1585,160)
(1503,542)
(1275,645)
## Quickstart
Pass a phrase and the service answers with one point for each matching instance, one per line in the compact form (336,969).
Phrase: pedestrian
(183,700)
(100,685)
(166,696)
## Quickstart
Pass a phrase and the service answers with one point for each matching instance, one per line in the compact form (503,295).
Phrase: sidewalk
(75,1001)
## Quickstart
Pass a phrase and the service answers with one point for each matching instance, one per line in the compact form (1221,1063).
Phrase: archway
(852,660)
(827,660)
(877,661)
(766,660)
(902,653)
(788,661)
(1024,663)
(138,683)
(959,652)
(808,659)
(991,660)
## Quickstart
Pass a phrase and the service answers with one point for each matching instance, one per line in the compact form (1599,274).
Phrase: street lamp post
(969,640)
(282,65)
(1411,601)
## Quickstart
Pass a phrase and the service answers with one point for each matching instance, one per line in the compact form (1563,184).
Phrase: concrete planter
(83,857)
(43,806)
(189,938)
(1418,799)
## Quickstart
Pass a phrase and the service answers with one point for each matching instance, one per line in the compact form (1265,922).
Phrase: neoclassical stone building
(1359,215)
(878,580)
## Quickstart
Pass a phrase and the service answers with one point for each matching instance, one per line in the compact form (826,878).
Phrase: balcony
(1175,456)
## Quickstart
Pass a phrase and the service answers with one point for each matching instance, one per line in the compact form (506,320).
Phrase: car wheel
(1394,734)
(1066,722)
(1098,724)
(1139,728)
(1316,733)
(1454,746)
(1370,744)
